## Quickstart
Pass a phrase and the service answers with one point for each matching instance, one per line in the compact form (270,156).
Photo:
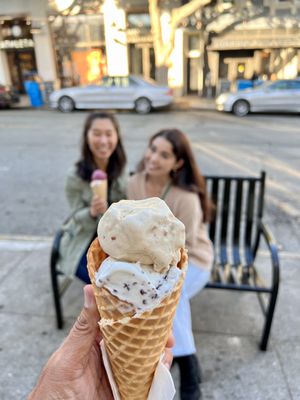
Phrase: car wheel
(66,104)
(241,108)
(142,105)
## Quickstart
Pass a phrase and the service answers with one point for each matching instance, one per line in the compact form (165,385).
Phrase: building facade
(25,43)
(95,38)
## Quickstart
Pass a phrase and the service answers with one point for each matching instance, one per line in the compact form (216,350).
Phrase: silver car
(114,92)
(282,95)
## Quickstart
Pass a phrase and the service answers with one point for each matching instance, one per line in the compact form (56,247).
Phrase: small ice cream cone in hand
(99,184)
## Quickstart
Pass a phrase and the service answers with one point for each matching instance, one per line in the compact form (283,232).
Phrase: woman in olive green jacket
(102,149)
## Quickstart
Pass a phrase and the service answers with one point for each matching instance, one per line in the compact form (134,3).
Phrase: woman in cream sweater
(169,171)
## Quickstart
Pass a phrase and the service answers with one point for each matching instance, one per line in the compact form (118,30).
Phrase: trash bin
(34,93)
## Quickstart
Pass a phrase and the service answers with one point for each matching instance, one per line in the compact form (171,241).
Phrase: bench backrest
(239,205)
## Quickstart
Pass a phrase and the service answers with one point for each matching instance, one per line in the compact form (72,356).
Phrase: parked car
(8,96)
(282,95)
(119,92)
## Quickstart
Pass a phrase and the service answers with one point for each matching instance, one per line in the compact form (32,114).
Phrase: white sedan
(114,92)
(282,95)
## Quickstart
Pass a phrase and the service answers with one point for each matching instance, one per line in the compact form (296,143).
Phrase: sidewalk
(227,328)
(194,103)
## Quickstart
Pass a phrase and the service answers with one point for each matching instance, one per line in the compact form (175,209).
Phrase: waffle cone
(135,344)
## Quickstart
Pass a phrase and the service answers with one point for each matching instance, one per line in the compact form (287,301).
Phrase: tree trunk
(161,75)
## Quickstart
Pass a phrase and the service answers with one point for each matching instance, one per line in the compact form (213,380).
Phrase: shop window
(194,42)
(139,20)
(80,49)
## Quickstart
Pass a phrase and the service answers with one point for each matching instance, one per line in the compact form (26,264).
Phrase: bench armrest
(272,246)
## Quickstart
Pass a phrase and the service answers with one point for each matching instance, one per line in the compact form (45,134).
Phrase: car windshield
(146,81)
(280,85)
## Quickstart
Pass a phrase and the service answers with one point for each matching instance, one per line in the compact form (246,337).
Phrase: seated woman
(102,149)
(169,171)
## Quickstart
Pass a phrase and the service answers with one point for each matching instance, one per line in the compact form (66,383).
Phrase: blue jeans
(82,272)
(196,279)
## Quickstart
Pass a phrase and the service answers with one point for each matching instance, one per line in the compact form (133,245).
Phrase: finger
(85,330)
(167,358)
(171,341)
(168,355)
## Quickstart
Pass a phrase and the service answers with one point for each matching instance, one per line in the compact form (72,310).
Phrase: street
(38,146)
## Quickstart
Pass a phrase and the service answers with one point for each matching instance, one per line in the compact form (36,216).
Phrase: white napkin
(162,387)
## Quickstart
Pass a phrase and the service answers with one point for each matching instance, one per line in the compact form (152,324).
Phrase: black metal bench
(236,232)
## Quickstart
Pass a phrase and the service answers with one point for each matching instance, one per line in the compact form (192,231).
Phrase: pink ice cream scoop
(99,175)
(99,183)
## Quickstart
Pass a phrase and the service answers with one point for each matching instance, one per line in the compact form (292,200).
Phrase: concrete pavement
(227,328)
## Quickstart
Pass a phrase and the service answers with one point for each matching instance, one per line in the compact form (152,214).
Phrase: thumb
(85,330)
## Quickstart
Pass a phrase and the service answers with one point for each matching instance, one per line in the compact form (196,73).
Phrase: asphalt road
(38,146)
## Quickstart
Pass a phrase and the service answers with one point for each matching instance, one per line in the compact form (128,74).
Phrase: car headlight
(222,98)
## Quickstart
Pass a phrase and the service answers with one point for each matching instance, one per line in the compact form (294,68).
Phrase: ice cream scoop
(137,284)
(99,183)
(143,231)
(99,175)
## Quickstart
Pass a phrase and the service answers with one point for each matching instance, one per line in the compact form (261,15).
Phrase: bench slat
(249,222)
(237,222)
(214,196)
(224,220)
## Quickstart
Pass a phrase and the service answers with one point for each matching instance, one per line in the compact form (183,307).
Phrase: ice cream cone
(99,188)
(134,343)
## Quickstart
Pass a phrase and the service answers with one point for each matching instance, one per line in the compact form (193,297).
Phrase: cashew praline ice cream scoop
(143,231)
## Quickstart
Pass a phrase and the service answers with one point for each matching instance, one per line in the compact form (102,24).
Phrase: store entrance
(20,64)
(192,75)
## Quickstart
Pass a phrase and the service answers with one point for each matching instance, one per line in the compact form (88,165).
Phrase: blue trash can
(33,91)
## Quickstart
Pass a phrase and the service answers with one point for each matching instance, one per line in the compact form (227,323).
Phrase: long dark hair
(188,177)
(86,164)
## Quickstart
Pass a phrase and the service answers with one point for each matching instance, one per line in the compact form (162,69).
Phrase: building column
(115,39)
(44,53)
(146,60)
(257,62)
(176,69)
(4,72)
(213,62)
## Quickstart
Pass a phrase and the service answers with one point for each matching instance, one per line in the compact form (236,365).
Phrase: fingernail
(88,297)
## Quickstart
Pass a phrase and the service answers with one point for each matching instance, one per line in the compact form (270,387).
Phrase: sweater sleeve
(79,207)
